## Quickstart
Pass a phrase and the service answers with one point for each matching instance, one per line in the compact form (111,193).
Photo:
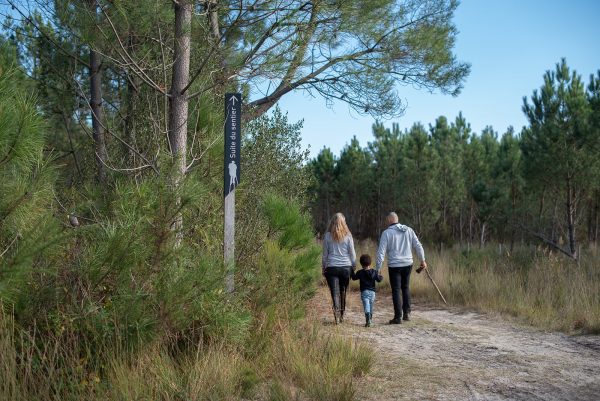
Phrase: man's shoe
(396,320)
(406,317)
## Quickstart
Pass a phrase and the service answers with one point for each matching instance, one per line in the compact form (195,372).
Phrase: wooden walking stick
(433,282)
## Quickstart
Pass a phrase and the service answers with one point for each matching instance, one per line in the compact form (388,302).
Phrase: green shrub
(28,231)
(285,273)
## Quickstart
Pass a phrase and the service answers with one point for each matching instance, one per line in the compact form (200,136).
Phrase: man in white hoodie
(397,241)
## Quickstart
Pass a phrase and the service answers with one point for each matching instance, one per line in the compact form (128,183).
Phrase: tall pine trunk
(513,229)
(596,214)
(571,218)
(482,235)
(593,217)
(213,17)
(178,102)
(95,74)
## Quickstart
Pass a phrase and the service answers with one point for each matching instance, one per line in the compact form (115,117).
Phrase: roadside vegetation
(97,302)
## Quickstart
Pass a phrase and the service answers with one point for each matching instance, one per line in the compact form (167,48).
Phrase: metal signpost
(233,116)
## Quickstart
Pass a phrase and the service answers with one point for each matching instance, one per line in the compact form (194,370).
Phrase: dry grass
(41,370)
(541,287)
(323,365)
(215,374)
(301,362)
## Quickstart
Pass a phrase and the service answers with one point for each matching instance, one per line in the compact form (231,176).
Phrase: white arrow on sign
(233,99)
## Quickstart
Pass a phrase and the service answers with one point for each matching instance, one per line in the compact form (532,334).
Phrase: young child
(367,277)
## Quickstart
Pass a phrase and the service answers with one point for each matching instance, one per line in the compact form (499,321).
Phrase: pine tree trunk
(596,213)
(96,108)
(67,121)
(556,232)
(214,19)
(471,214)
(571,218)
(482,237)
(541,208)
(419,216)
(178,102)
(593,218)
(327,208)
(460,225)
(590,219)
(512,218)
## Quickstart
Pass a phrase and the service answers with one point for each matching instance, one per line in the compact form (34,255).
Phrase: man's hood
(399,227)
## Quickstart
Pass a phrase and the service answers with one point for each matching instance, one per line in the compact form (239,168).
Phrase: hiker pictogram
(233,180)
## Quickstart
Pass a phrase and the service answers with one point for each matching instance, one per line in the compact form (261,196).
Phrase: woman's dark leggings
(399,281)
(338,278)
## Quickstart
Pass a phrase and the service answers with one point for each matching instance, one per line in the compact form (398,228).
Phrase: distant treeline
(454,185)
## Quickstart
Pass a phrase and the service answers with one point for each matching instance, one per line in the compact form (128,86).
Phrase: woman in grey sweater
(339,258)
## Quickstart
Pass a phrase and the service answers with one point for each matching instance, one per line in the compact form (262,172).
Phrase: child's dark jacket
(367,278)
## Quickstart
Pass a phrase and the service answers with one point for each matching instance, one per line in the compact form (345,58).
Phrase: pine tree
(419,177)
(27,226)
(354,186)
(447,140)
(387,151)
(324,203)
(558,146)
(593,96)
(509,179)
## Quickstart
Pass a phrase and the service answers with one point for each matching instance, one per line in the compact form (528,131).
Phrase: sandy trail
(449,354)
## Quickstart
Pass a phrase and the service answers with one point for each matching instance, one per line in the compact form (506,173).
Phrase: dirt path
(449,354)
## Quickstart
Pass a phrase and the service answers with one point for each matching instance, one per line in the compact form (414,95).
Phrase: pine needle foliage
(293,228)
(26,191)
(284,275)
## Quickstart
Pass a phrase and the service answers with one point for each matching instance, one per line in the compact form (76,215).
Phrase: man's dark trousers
(399,281)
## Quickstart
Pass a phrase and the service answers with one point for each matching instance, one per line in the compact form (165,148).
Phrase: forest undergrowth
(100,299)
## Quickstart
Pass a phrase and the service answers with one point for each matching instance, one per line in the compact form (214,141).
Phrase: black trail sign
(231,175)
(233,116)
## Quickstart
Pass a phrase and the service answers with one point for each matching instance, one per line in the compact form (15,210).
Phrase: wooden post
(229,241)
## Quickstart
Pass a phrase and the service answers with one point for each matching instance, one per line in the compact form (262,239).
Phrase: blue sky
(509,43)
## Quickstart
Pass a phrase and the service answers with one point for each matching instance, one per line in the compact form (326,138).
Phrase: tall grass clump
(535,284)
(324,366)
